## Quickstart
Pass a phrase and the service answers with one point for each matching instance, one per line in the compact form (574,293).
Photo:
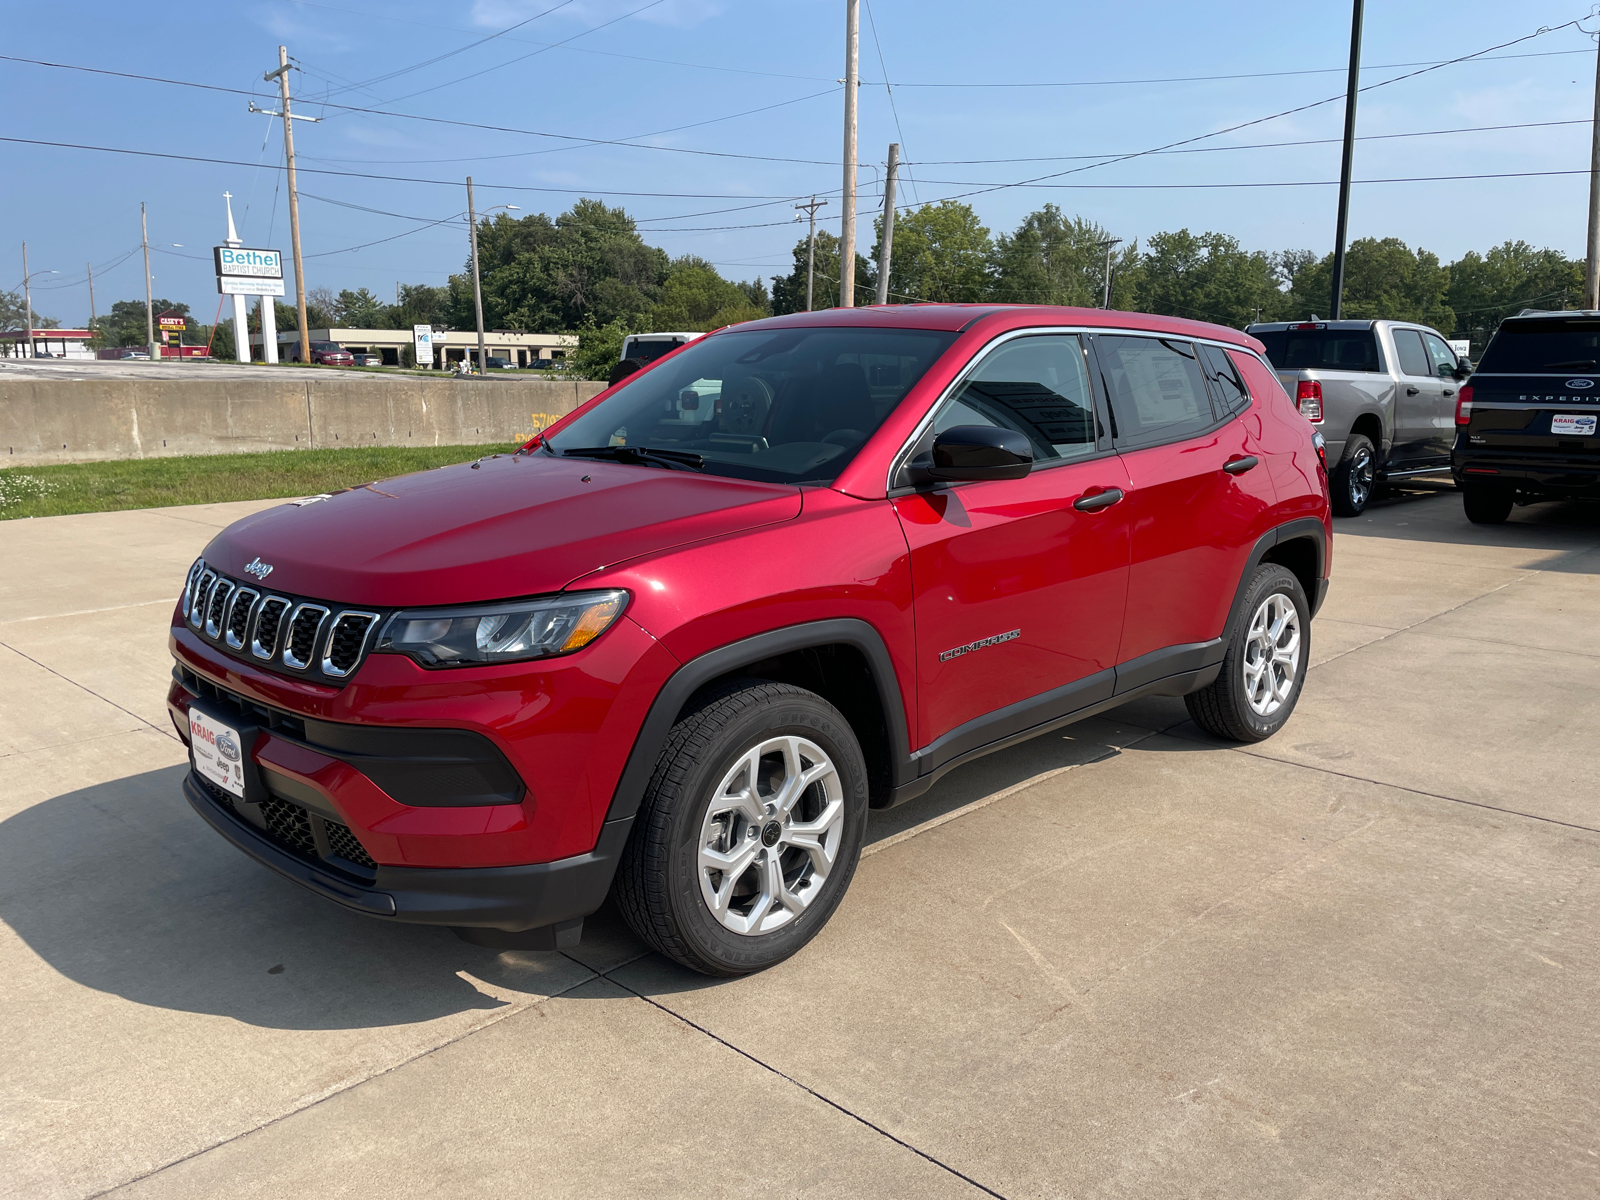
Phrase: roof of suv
(956,318)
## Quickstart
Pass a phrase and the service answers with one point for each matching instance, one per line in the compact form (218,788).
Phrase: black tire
(659,882)
(1355,479)
(1487,503)
(1223,708)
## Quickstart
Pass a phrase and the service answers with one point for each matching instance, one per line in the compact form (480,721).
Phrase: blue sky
(755,83)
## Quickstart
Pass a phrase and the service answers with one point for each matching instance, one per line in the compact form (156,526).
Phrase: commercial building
(47,343)
(520,349)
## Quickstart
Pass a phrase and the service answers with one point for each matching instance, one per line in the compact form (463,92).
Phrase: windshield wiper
(639,454)
(1577,364)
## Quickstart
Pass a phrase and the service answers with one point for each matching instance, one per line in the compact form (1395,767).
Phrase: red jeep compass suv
(676,646)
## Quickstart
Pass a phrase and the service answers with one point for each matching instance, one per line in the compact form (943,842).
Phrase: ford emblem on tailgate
(1580,385)
(258,568)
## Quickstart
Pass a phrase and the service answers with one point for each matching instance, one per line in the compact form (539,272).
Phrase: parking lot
(1359,959)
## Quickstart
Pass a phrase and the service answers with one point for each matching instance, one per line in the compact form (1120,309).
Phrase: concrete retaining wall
(84,420)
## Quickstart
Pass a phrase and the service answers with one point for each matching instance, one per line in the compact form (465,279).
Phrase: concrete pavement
(1121,960)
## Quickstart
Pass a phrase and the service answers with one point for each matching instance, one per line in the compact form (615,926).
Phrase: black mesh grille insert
(290,826)
(239,615)
(343,843)
(218,606)
(267,624)
(303,633)
(344,644)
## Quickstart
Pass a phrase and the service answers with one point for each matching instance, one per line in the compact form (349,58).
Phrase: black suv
(1525,421)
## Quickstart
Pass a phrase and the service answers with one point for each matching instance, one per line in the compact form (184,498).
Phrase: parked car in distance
(499,364)
(678,644)
(1526,419)
(1381,392)
(329,354)
(647,347)
(367,360)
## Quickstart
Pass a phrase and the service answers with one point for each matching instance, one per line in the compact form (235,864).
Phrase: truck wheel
(1354,477)
(1265,664)
(749,831)
(1487,503)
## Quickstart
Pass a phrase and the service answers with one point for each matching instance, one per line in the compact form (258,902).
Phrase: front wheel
(1264,667)
(1354,477)
(1487,503)
(749,831)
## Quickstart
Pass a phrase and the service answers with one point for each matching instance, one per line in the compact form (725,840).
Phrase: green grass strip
(54,491)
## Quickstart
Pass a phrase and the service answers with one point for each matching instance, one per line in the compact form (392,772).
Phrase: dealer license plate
(1573,424)
(218,752)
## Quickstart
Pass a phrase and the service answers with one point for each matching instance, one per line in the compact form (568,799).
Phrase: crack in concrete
(68,679)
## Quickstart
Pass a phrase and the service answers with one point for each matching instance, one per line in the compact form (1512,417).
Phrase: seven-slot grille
(302,636)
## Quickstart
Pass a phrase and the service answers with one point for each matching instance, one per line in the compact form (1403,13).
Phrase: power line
(872,24)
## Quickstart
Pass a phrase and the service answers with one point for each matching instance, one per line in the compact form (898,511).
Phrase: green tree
(360,309)
(1485,289)
(1383,277)
(1053,259)
(420,304)
(125,324)
(941,253)
(599,349)
(695,296)
(14,310)
(1207,277)
(789,291)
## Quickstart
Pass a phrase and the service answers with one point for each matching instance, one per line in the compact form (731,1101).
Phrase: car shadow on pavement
(121,887)
(1427,513)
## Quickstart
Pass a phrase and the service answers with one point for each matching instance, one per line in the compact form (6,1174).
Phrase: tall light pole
(1106,245)
(886,242)
(847,241)
(1352,89)
(282,76)
(149,300)
(1591,289)
(477,283)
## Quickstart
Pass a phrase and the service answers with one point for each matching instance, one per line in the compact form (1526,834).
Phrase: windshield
(325,347)
(1321,349)
(1532,347)
(784,406)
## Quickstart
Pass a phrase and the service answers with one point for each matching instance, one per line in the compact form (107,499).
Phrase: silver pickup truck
(1383,393)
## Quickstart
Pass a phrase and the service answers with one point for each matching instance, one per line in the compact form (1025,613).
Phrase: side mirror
(966,453)
(1463,369)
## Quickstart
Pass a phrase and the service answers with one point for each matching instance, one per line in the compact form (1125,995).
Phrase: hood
(503,527)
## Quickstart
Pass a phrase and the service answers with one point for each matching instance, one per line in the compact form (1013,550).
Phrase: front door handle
(1411,391)
(1238,466)
(1095,501)
(1449,391)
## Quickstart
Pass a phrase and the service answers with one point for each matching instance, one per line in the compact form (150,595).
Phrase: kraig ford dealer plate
(218,754)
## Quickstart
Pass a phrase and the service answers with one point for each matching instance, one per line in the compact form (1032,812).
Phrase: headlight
(512,631)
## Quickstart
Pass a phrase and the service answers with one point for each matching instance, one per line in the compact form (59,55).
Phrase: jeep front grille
(346,641)
(300,647)
(270,619)
(244,600)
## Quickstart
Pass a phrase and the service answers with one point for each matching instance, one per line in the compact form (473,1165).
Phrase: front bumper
(551,898)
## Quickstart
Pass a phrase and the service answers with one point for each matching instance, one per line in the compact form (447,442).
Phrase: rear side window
(1322,349)
(1226,386)
(1413,358)
(1037,386)
(1532,347)
(1157,390)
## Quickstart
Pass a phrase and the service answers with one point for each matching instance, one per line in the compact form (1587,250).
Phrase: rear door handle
(1238,466)
(1411,391)
(1095,501)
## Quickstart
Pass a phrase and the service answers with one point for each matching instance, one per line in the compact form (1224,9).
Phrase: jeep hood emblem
(1580,385)
(258,568)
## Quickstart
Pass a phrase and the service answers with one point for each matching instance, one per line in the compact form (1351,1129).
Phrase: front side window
(1037,386)
(1156,387)
(1440,356)
(780,405)
(1413,358)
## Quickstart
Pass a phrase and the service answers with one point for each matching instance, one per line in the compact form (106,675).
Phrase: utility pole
(282,76)
(1352,89)
(27,301)
(1107,244)
(811,246)
(90,267)
(886,243)
(149,301)
(477,286)
(1591,289)
(847,242)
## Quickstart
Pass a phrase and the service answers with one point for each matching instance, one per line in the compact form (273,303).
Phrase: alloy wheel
(1272,654)
(1363,470)
(771,835)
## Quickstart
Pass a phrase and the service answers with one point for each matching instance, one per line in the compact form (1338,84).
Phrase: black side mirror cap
(966,453)
(1463,370)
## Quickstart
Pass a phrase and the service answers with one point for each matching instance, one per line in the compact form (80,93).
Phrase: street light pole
(149,301)
(886,243)
(1352,89)
(852,67)
(27,301)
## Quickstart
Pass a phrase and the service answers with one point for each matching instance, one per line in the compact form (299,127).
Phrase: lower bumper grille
(294,828)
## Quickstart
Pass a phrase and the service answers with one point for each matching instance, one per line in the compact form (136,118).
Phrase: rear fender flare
(1303,527)
(713,664)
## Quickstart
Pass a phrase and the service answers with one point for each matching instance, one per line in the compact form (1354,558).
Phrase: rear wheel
(749,832)
(1487,503)
(1355,476)
(1265,664)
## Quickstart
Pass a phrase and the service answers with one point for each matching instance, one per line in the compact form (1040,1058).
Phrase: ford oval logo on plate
(1580,385)
(227,747)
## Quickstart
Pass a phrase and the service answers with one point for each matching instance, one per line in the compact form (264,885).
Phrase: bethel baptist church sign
(242,272)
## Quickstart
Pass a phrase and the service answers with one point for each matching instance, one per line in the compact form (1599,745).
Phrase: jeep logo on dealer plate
(258,568)
(1580,385)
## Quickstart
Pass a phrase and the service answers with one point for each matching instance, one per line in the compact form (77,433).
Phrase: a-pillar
(269,330)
